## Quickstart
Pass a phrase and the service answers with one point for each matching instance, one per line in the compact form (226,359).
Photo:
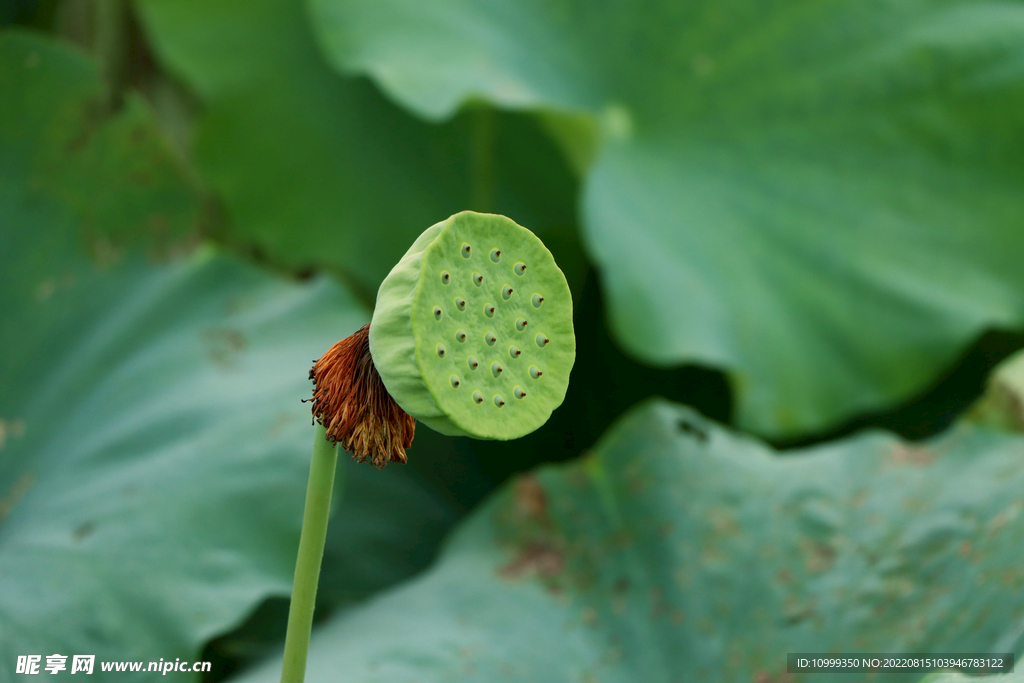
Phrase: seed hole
(437,313)
(490,338)
(467,250)
(441,351)
(460,304)
(478,279)
(542,341)
(506,292)
(537,300)
(495,255)
(489,310)
(478,397)
(514,352)
(496,369)
(519,268)
(521,324)
(454,379)
(460,336)
(472,362)
(535,372)
(518,392)
(499,401)
(446,277)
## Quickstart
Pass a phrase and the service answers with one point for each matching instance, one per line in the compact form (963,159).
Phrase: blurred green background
(804,221)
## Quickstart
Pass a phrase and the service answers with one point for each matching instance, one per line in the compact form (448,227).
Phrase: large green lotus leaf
(153,447)
(680,551)
(822,197)
(156,451)
(320,170)
(113,170)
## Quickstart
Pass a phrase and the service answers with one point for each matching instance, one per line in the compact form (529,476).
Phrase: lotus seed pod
(464,303)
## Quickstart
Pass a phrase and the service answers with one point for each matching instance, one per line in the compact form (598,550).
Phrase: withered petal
(351,402)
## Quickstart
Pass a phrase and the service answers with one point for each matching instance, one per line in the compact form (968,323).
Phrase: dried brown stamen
(350,400)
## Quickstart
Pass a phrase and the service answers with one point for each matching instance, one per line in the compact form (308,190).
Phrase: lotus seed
(499,401)
(409,321)
(542,341)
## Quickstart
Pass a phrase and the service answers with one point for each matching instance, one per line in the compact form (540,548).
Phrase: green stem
(110,45)
(482,127)
(311,552)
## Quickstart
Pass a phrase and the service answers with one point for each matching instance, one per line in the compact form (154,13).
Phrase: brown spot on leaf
(15,494)
(158,225)
(140,176)
(1004,517)
(10,429)
(105,252)
(794,611)
(620,539)
(46,289)
(692,430)
(619,604)
(659,606)
(93,114)
(223,344)
(530,499)
(279,424)
(576,477)
(907,454)
(819,556)
(762,676)
(723,522)
(636,484)
(83,530)
(537,558)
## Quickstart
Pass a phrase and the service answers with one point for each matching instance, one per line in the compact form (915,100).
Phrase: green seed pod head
(472,332)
